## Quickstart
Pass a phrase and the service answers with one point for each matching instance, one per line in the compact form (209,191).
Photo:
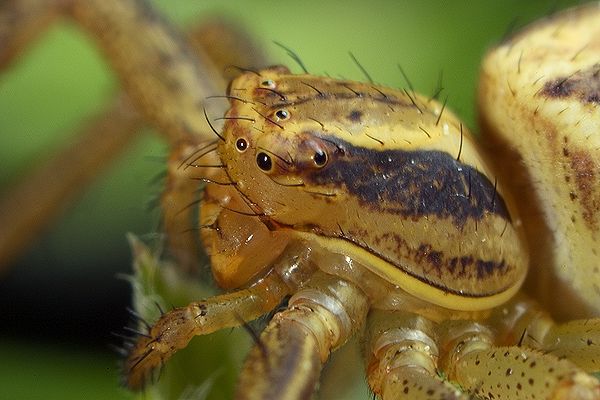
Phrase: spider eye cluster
(310,153)
(263,160)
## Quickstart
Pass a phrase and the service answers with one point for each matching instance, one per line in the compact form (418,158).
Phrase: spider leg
(474,360)
(287,360)
(21,22)
(577,340)
(405,352)
(179,205)
(515,375)
(39,197)
(165,76)
(401,353)
(36,200)
(175,328)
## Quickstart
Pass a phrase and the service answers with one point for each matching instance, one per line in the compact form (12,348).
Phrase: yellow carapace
(385,177)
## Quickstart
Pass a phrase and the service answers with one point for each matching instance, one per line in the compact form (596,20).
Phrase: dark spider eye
(241,145)
(264,161)
(282,114)
(320,158)
(268,83)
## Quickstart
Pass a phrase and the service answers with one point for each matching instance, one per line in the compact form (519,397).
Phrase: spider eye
(282,114)
(320,158)
(264,161)
(269,83)
(241,144)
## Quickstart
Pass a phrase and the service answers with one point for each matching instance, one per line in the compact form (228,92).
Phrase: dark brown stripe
(463,267)
(460,268)
(412,184)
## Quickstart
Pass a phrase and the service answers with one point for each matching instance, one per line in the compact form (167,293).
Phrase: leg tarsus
(170,333)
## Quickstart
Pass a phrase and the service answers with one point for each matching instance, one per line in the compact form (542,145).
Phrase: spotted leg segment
(401,355)
(509,372)
(411,357)
(523,321)
(286,362)
(176,328)
(578,341)
(519,373)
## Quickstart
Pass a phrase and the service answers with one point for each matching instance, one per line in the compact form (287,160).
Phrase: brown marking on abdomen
(588,186)
(582,85)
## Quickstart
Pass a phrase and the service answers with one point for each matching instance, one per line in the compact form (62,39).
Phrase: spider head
(273,142)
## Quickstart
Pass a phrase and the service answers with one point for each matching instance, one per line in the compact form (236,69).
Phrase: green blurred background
(61,299)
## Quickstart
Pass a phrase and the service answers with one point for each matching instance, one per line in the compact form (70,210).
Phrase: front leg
(176,328)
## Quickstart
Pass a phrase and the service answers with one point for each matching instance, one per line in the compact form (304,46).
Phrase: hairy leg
(40,196)
(177,327)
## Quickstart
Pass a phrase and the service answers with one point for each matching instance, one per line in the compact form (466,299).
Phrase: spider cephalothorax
(368,169)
